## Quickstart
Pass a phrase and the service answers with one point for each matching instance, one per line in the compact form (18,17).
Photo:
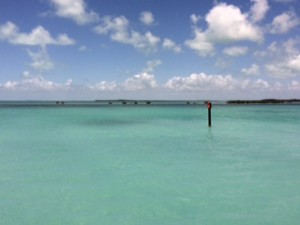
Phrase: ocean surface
(89,164)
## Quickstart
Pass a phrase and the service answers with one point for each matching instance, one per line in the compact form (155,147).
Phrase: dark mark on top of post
(209,106)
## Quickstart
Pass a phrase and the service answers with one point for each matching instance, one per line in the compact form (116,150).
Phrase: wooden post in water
(209,106)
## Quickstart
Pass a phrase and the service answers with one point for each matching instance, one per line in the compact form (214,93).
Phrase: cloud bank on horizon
(77,49)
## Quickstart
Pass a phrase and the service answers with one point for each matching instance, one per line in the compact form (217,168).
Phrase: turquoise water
(158,165)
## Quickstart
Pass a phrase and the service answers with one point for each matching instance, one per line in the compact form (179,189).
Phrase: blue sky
(149,49)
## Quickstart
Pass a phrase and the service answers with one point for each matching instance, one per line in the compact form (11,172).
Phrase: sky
(149,49)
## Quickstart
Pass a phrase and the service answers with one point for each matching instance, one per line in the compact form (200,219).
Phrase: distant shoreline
(131,102)
(264,101)
(149,102)
(196,102)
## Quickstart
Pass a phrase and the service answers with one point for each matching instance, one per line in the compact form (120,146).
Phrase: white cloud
(36,83)
(145,84)
(223,28)
(40,83)
(75,10)
(200,44)
(26,74)
(236,27)
(82,48)
(39,36)
(10,85)
(222,62)
(201,82)
(277,70)
(104,86)
(284,22)
(271,51)
(260,84)
(290,47)
(8,30)
(41,60)
(235,51)
(151,65)
(147,42)
(147,18)
(294,64)
(259,10)
(294,85)
(171,45)
(63,39)
(210,83)
(119,31)
(69,83)
(195,18)
(117,25)
(253,70)
(272,48)
(284,59)
(140,81)
(284,69)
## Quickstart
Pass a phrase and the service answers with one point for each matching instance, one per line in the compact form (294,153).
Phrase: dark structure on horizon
(265,101)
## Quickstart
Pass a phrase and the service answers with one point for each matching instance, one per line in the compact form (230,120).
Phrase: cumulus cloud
(194,83)
(284,59)
(8,30)
(118,26)
(294,64)
(147,18)
(259,10)
(10,85)
(253,70)
(236,27)
(140,81)
(75,10)
(261,85)
(171,45)
(36,83)
(235,51)
(39,83)
(271,50)
(288,68)
(147,42)
(41,60)
(204,83)
(223,29)
(119,31)
(200,44)
(201,82)
(277,70)
(284,22)
(39,36)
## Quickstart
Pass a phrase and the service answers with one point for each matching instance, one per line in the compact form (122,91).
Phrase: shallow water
(150,165)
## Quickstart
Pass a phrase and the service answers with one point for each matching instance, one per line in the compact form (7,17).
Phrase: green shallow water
(150,165)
